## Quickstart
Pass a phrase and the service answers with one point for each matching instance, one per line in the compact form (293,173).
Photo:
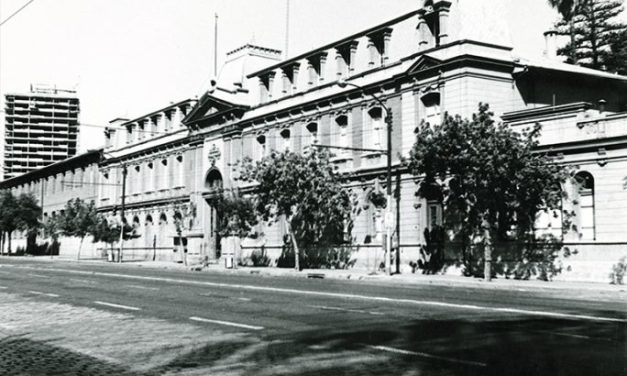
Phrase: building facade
(41,128)
(53,186)
(167,165)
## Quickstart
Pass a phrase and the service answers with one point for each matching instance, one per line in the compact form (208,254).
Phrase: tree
(18,213)
(593,30)
(237,214)
(8,215)
(488,178)
(307,193)
(77,220)
(183,220)
(567,8)
(616,59)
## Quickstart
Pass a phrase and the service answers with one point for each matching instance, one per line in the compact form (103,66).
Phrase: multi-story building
(445,57)
(41,128)
(53,186)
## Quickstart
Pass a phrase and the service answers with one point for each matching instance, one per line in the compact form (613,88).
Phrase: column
(387,37)
(322,59)
(423,32)
(372,51)
(443,16)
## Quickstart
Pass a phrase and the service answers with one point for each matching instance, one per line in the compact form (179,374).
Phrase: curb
(394,280)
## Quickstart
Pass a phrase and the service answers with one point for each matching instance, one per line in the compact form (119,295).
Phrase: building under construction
(41,128)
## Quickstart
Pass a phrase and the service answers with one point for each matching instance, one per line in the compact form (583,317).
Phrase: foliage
(103,231)
(77,218)
(432,253)
(18,213)
(618,272)
(378,199)
(566,7)
(260,258)
(237,214)
(306,191)
(596,36)
(488,178)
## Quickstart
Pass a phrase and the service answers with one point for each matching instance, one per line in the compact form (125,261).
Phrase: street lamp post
(124,173)
(388,207)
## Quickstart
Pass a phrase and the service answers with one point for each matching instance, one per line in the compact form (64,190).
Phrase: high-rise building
(41,128)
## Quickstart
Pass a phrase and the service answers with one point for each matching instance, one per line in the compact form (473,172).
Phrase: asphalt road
(59,318)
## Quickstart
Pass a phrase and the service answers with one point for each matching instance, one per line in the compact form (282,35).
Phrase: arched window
(213,180)
(181,171)
(285,140)
(341,134)
(375,135)
(163,219)
(312,134)
(584,183)
(431,106)
(148,220)
(260,147)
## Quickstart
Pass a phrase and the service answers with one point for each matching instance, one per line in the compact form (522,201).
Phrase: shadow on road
(476,346)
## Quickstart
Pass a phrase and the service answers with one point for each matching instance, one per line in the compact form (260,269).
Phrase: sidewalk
(362,275)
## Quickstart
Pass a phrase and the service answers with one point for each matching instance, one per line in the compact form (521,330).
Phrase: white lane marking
(570,335)
(43,293)
(3,287)
(227,323)
(327,308)
(244,299)
(81,280)
(429,356)
(342,296)
(38,275)
(142,287)
(120,306)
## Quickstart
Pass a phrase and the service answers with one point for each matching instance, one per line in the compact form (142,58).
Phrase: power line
(16,12)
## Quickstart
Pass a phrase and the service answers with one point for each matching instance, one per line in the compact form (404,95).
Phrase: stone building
(418,66)
(53,186)
(151,159)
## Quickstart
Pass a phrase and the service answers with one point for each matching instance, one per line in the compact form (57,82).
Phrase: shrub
(259,258)
(618,272)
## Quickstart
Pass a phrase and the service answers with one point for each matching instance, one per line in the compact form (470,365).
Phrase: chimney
(550,40)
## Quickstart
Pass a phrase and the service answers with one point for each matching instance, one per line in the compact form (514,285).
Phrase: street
(86,319)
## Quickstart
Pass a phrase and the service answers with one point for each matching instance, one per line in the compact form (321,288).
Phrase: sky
(127,58)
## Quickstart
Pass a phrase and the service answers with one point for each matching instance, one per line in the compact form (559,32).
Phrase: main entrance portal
(211,238)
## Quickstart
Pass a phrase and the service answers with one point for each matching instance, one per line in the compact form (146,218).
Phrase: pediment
(209,107)
(423,63)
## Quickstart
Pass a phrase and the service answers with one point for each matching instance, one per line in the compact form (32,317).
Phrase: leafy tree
(183,220)
(488,178)
(307,193)
(18,213)
(77,220)
(567,9)
(616,59)
(594,33)
(8,214)
(237,214)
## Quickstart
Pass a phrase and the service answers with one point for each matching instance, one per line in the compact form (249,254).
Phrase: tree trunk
(573,50)
(154,247)
(2,243)
(9,243)
(296,251)
(80,245)
(487,251)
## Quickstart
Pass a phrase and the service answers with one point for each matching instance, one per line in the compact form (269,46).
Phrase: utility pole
(287,27)
(389,216)
(124,172)
(215,47)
